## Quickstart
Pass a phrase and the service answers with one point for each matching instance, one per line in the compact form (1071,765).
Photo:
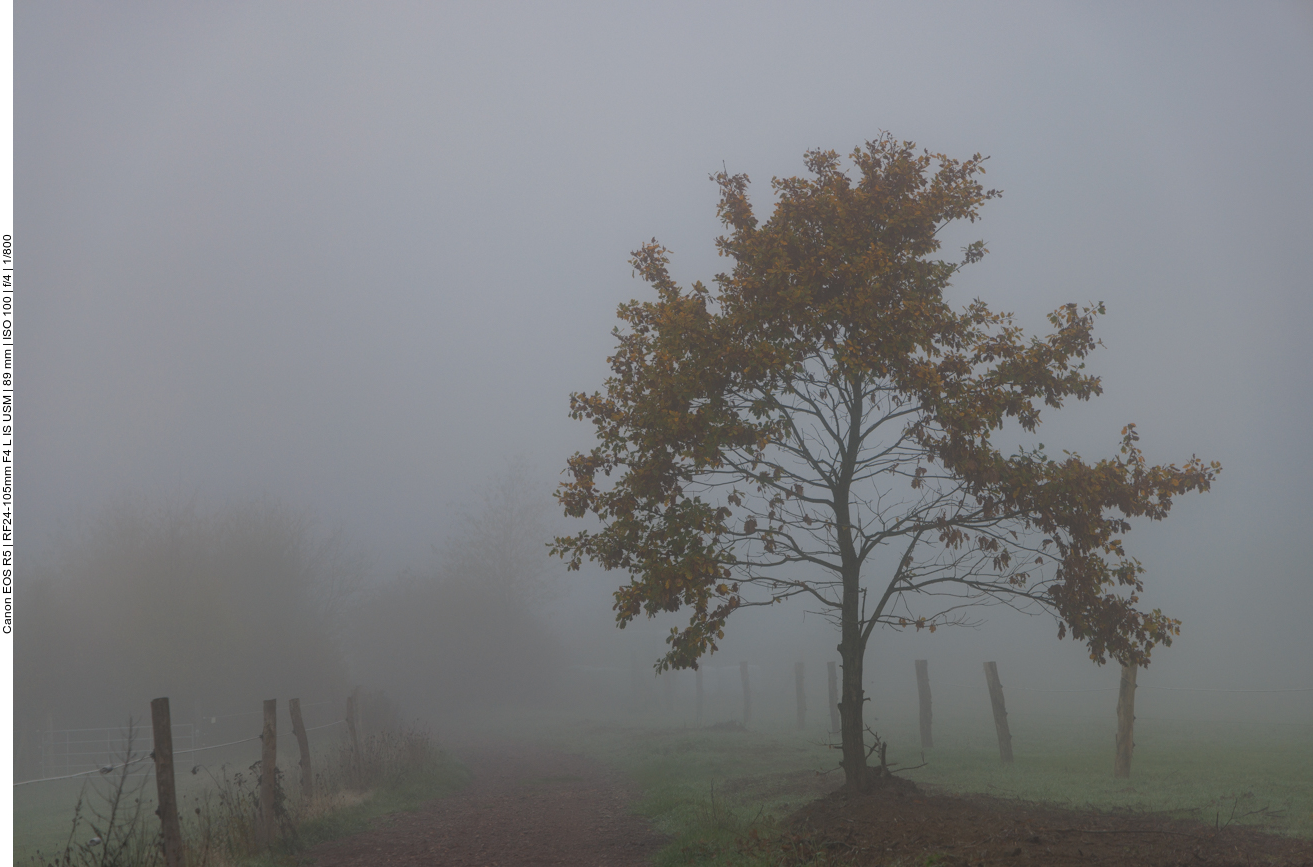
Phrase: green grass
(708,789)
(1209,772)
(42,814)
(406,774)
(406,792)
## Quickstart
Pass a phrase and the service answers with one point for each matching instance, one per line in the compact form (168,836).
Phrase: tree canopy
(821,423)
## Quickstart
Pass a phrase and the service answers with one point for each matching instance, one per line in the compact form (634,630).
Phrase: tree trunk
(853,731)
(852,643)
(1125,722)
(833,671)
(851,704)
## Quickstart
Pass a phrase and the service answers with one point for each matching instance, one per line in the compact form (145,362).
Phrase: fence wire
(110,768)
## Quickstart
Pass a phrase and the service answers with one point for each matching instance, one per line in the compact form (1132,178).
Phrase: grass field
(706,788)
(1214,772)
(44,812)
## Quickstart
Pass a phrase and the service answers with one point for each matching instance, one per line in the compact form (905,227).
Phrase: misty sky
(354,257)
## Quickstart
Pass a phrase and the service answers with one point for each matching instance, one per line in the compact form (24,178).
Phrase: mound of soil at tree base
(898,822)
(524,807)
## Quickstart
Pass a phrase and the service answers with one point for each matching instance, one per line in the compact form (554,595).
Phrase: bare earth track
(525,807)
(900,823)
(536,807)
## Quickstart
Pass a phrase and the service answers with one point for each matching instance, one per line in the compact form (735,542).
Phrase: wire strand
(109,768)
(105,770)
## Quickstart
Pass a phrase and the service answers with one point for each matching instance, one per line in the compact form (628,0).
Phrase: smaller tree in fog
(822,425)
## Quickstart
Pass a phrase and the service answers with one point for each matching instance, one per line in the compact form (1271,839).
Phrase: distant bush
(213,609)
(472,628)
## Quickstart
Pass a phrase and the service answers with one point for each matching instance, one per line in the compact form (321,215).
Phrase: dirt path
(530,806)
(525,807)
(904,822)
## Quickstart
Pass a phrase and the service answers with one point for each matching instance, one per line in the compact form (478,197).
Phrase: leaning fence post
(268,772)
(833,672)
(923,691)
(747,694)
(800,694)
(1125,722)
(1000,712)
(162,736)
(302,741)
(355,737)
(699,711)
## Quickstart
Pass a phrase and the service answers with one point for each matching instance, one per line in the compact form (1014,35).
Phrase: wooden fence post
(801,694)
(1000,712)
(699,711)
(923,691)
(302,741)
(1125,722)
(747,694)
(162,736)
(833,671)
(268,773)
(355,737)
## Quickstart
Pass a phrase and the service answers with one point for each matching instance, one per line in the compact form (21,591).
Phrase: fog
(323,277)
